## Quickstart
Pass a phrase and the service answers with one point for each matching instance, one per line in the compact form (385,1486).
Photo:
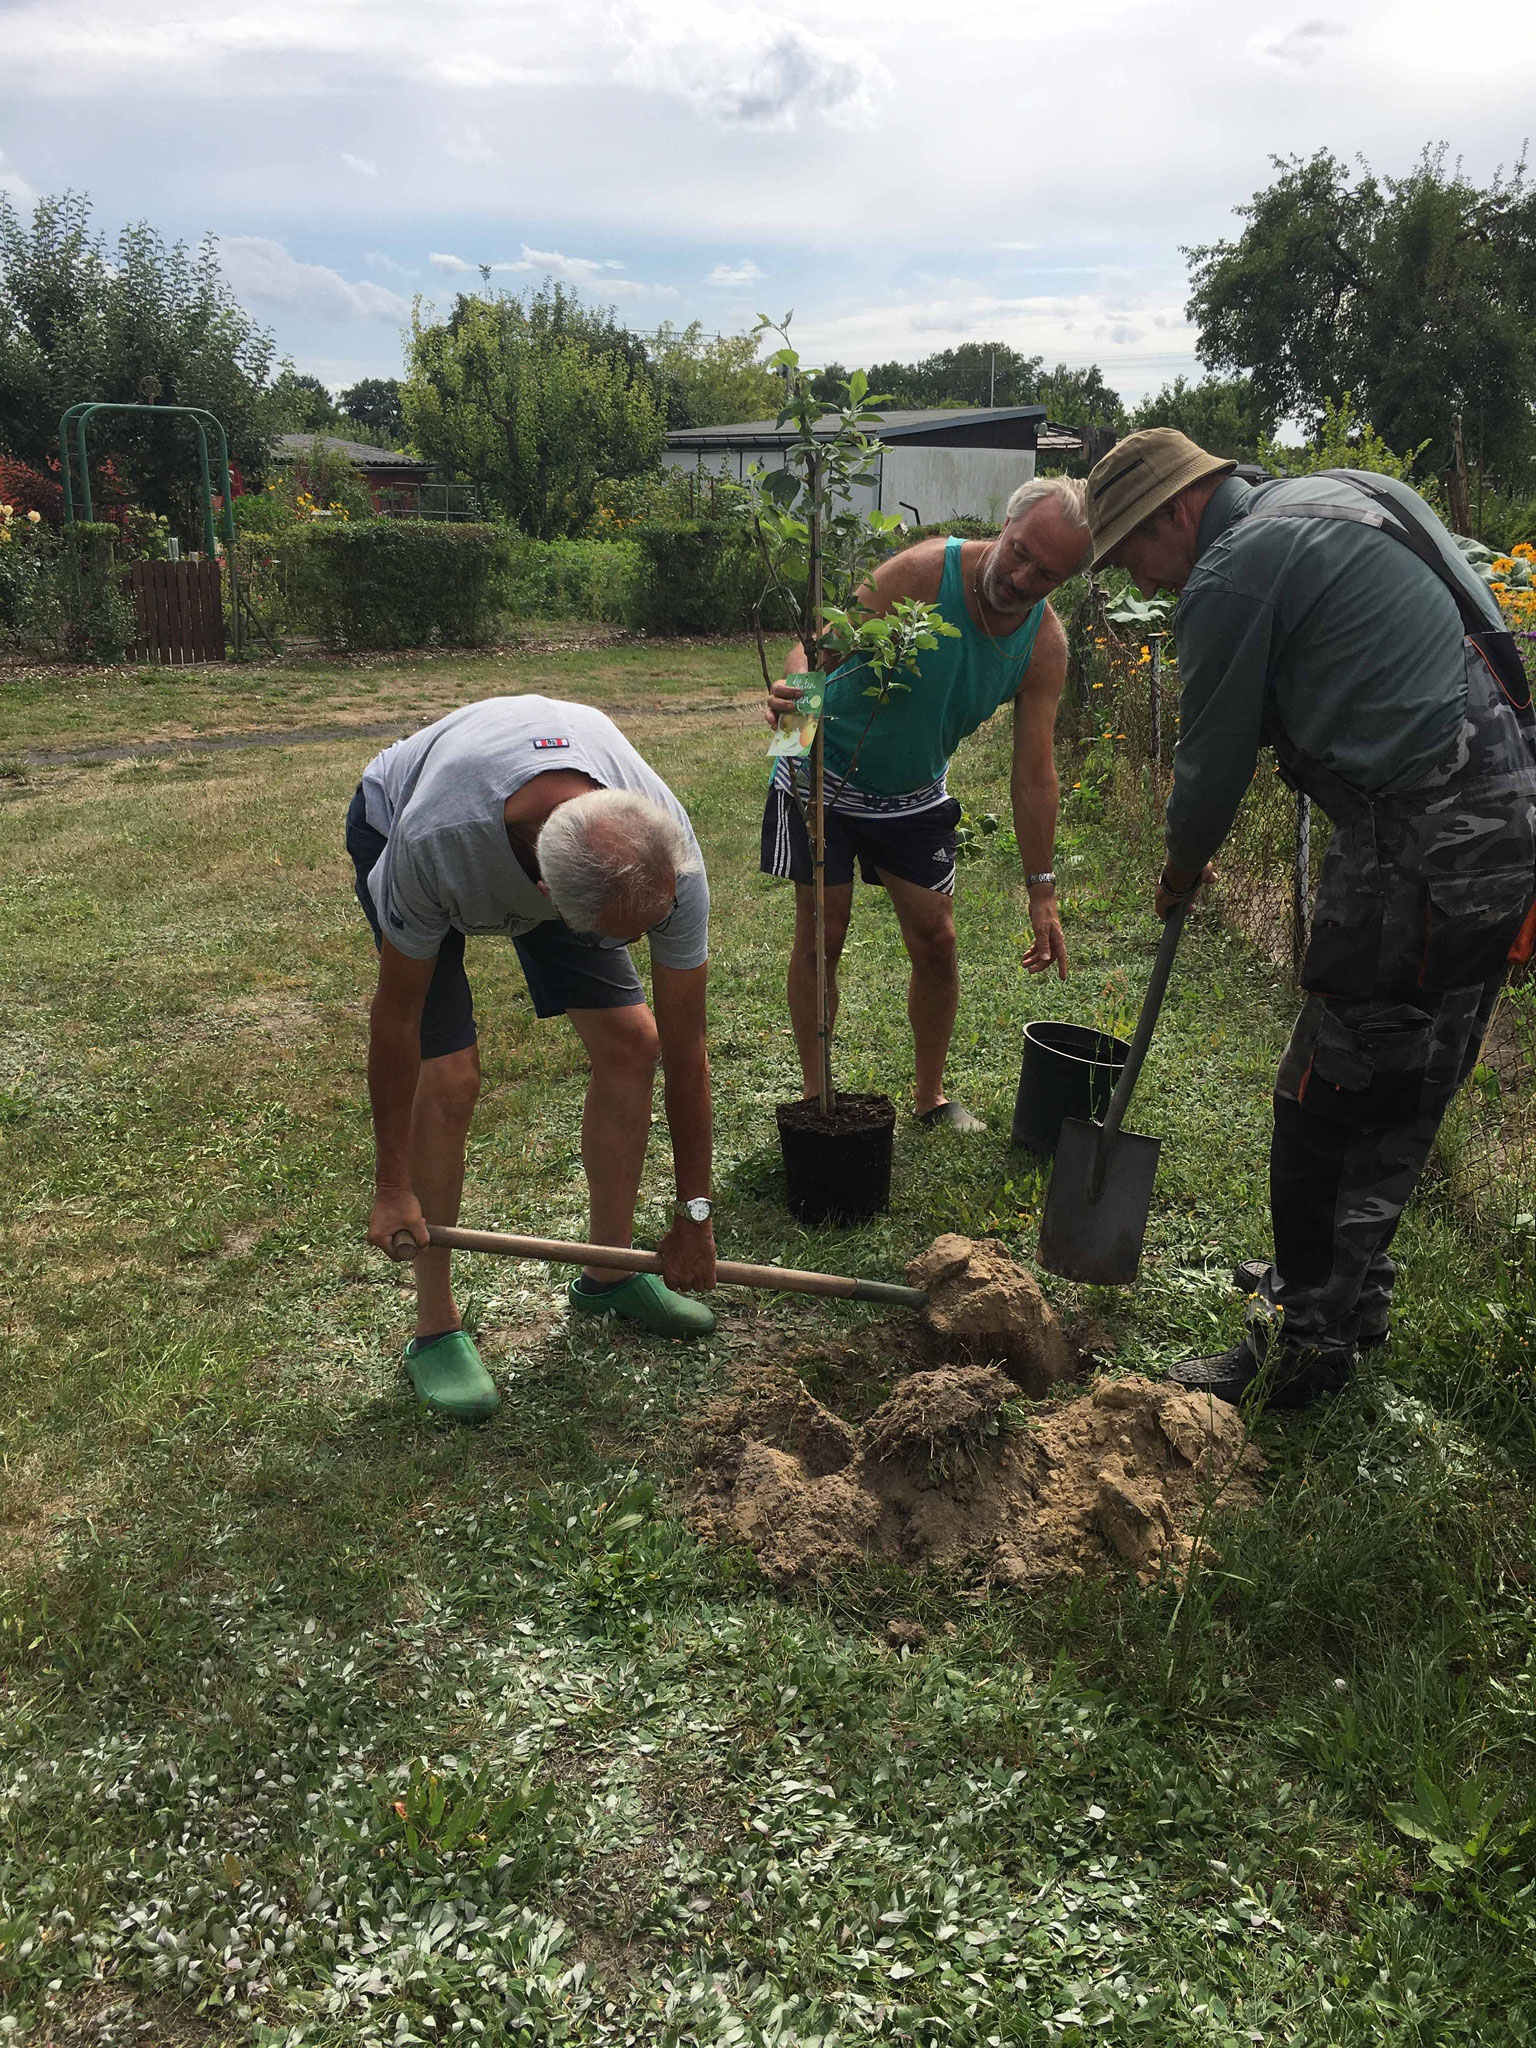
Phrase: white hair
(1069,492)
(613,854)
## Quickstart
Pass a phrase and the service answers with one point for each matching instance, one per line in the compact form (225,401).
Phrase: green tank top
(955,687)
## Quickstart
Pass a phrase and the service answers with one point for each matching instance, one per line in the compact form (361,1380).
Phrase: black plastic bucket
(1067,1070)
(838,1168)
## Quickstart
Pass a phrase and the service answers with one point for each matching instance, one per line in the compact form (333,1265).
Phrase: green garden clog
(449,1378)
(648,1301)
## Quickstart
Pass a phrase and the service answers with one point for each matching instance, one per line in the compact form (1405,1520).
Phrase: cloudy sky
(905,176)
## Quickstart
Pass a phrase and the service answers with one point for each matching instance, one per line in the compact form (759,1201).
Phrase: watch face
(698,1209)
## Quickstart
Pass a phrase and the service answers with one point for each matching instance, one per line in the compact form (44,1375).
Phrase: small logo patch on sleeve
(543,746)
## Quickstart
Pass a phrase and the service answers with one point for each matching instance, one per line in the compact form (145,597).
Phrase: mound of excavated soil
(984,1308)
(946,1474)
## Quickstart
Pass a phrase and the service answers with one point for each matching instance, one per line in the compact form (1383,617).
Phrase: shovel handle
(624,1259)
(1146,1024)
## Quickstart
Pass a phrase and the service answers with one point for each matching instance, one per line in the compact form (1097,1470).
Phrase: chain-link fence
(1121,718)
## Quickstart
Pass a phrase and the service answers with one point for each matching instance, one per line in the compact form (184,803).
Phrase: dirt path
(312,735)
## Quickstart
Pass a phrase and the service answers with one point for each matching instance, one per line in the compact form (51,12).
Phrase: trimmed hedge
(572,579)
(696,576)
(401,582)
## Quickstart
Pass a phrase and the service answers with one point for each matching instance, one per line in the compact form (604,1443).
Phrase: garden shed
(949,462)
(401,486)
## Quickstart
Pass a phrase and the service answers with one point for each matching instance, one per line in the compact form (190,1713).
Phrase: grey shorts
(563,972)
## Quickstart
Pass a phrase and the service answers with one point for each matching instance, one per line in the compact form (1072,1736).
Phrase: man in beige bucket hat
(1332,618)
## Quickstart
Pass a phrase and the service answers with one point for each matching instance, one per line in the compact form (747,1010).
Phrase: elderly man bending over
(888,801)
(539,821)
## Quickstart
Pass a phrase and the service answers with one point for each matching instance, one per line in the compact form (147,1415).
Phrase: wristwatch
(697,1209)
(1045,875)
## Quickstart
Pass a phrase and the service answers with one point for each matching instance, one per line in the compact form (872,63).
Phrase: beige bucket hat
(1138,474)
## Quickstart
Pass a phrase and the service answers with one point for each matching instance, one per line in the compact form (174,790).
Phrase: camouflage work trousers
(1419,899)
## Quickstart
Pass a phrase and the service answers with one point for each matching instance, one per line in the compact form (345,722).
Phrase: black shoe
(1293,1376)
(1249,1278)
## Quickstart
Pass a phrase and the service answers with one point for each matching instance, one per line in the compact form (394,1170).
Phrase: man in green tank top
(888,803)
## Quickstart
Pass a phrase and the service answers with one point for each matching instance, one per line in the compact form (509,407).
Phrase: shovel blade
(1098,1241)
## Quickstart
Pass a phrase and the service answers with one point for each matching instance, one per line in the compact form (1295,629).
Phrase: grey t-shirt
(438,798)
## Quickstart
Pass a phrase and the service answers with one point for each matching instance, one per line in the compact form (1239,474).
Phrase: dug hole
(959,1469)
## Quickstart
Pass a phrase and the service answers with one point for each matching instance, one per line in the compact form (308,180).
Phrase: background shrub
(1502,520)
(571,579)
(63,597)
(968,529)
(399,582)
(697,576)
(26,560)
(26,489)
(321,485)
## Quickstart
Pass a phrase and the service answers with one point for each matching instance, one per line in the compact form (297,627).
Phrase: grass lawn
(322,1724)
(49,710)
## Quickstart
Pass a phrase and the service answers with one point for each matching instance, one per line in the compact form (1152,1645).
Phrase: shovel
(1101,1184)
(728,1272)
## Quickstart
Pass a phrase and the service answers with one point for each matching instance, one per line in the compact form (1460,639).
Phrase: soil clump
(986,1309)
(951,1472)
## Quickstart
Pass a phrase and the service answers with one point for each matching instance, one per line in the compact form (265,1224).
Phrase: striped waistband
(793,777)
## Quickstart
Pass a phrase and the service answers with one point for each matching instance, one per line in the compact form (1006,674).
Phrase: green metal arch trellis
(77,417)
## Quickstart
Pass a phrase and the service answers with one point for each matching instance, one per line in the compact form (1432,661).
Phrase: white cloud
(1301,45)
(283,46)
(744,272)
(14,185)
(591,273)
(747,67)
(455,266)
(658,125)
(264,274)
(471,147)
(360,164)
(1138,346)
(480,73)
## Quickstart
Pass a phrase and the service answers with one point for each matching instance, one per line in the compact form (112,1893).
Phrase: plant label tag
(543,746)
(797,729)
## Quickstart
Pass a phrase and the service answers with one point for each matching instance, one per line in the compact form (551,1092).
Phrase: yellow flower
(34,518)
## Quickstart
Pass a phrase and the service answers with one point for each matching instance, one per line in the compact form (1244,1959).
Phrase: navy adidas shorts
(916,846)
(562,971)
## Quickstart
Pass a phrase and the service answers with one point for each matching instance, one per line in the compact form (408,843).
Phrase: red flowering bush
(29,490)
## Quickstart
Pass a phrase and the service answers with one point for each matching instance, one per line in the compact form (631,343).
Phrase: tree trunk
(818,818)
(1456,482)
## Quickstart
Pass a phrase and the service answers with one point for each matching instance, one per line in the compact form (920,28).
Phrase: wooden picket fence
(179,611)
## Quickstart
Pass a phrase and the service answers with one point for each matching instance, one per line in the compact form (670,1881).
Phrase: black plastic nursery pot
(1067,1070)
(838,1167)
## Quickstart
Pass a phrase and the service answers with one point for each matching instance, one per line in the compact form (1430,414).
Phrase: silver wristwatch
(697,1209)
(1045,875)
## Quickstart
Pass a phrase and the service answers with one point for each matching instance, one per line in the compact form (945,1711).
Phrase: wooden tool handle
(622,1259)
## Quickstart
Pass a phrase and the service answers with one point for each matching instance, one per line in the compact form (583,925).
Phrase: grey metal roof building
(295,447)
(945,462)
